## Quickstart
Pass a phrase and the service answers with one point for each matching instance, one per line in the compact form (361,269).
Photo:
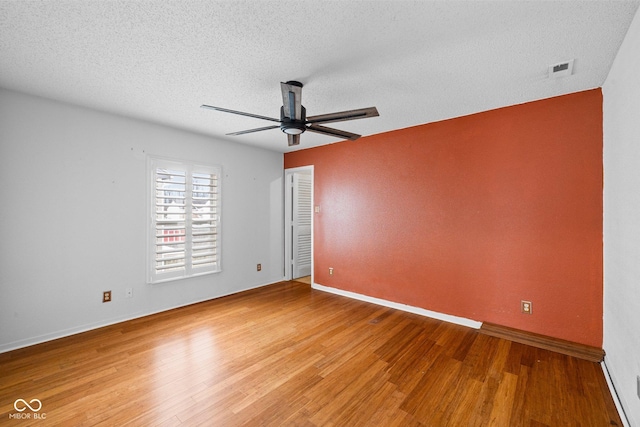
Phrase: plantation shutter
(170,222)
(185,221)
(204,224)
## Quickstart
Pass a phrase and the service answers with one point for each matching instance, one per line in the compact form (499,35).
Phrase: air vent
(561,69)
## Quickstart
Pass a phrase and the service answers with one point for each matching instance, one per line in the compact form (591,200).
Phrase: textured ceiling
(417,62)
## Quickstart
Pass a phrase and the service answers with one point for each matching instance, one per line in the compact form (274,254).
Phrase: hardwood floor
(290,355)
(305,279)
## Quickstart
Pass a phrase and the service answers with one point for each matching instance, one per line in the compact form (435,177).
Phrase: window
(185,220)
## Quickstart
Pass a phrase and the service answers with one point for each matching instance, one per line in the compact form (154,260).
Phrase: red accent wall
(469,216)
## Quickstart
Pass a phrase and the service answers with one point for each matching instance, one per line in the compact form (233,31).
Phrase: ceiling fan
(293,120)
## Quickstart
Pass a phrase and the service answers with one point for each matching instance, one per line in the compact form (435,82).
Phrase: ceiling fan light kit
(293,127)
(293,117)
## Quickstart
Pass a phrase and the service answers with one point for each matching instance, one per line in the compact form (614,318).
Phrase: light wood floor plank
(290,355)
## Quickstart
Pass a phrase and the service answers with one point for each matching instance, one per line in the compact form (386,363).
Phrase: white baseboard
(27,342)
(614,394)
(398,306)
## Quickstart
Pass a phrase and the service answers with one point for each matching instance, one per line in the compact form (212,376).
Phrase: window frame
(189,168)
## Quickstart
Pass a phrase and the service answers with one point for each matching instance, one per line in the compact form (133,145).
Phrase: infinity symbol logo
(26,405)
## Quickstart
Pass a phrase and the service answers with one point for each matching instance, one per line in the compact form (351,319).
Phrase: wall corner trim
(614,394)
(399,306)
(581,351)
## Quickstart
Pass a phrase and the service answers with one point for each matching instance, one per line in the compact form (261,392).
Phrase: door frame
(288,207)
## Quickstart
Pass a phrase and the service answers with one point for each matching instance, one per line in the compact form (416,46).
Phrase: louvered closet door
(301,234)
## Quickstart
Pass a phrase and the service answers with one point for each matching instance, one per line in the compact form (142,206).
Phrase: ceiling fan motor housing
(293,127)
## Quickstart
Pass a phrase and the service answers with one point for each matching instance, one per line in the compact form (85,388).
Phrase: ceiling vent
(561,69)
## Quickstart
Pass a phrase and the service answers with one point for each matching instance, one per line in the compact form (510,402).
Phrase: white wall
(622,221)
(73,194)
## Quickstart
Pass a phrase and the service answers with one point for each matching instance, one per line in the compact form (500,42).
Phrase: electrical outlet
(129,292)
(526,307)
(259,268)
(106,296)
(330,271)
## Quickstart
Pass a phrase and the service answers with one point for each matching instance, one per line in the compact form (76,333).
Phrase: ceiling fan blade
(362,113)
(292,100)
(293,140)
(333,132)
(253,130)
(225,110)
